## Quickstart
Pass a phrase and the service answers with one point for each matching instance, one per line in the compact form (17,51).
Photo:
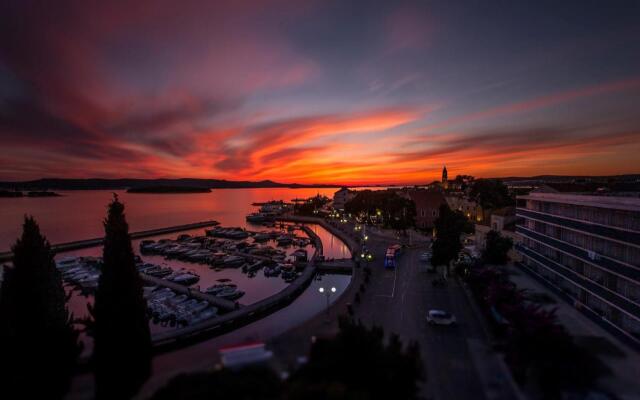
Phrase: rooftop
(427,198)
(609,202)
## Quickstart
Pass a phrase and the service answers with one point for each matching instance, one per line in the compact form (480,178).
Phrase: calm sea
(78,215)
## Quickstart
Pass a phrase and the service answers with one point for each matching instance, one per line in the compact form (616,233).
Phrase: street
(399,299)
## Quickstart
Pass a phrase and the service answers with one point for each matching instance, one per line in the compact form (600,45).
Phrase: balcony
(607,295)
(582,254)
(592,229)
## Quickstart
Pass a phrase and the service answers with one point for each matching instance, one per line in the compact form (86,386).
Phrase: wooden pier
(82,244)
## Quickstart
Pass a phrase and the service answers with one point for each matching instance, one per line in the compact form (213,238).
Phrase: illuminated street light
(327,293)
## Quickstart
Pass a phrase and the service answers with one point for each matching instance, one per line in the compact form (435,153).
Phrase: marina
(205,276)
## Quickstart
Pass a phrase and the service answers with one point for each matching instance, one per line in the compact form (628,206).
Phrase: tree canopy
(395,211)
(491,194)
(497,248)
(311,205)
(122,351)
(38,343)
(356,364)
(449,226)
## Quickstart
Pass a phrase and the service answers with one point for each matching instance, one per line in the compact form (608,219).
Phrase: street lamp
(327,293)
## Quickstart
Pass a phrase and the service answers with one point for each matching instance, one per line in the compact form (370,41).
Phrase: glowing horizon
(300,93)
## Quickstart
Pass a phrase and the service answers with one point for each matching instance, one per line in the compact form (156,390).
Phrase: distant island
(169,189)
(14,193)
(118,184)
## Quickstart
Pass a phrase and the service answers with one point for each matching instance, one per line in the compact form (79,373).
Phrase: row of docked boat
(236,233)
(225,290)
(221,253)
(84,272)
(167,307)
(81,272)
(181,276)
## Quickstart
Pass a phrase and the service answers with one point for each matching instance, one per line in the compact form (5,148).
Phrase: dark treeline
(113,184)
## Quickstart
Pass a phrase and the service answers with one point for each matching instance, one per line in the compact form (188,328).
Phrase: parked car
(440,317)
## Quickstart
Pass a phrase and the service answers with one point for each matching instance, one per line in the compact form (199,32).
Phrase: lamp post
(327,293)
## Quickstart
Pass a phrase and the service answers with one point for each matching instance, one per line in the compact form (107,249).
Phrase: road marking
(395,277)
(393,291)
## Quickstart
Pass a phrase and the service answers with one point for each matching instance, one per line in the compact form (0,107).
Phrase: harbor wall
(171,340)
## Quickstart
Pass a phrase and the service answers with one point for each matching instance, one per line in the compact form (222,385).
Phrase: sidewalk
(494,373)
(620,358)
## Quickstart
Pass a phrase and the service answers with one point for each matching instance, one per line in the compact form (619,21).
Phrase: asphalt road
(399,299)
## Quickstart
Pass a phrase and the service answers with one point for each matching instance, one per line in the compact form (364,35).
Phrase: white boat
(261,237)
(230,293)
(186,279)
(218,287)
(204,315)
(67,262)
(256,217)
(233,261)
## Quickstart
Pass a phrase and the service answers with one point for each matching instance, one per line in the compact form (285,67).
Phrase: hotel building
(589,248)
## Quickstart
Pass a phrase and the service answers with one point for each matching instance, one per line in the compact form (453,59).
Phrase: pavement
(620,358)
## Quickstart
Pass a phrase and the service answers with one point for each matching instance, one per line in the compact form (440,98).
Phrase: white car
(440,317)
(425,257)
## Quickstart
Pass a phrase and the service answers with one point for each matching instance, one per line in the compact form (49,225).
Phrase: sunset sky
(302,91)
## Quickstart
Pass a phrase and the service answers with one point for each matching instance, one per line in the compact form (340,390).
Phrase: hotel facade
(589,248)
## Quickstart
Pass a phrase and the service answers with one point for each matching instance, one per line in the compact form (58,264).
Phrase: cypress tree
(38,344)
(122,352)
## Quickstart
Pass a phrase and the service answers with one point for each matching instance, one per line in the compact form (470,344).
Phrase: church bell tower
(445,181)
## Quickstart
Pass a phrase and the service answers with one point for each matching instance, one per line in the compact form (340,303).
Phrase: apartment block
(589,248)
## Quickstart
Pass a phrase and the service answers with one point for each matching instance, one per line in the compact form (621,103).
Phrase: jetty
(82,244)
(176,338)
(220,303)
